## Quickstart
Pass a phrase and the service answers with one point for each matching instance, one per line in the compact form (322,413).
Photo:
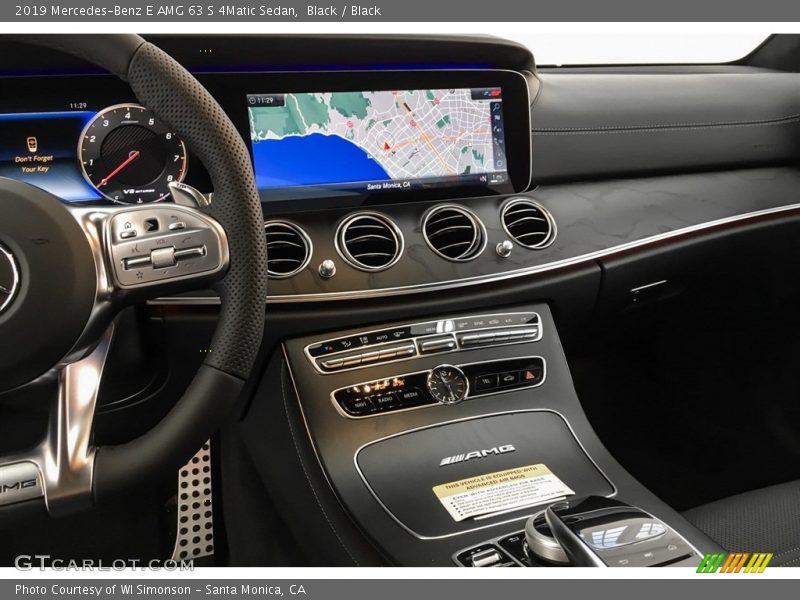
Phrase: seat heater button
(358,406)
(508,378)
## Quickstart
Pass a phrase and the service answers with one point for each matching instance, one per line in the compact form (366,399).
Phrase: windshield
(606,48)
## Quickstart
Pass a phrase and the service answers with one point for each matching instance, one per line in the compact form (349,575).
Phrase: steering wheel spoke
(153,249)
(60,469)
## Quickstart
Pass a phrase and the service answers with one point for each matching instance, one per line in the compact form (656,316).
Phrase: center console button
(523,333)
(530,376)
(351,361)
(404,351)
(388,353)
(385,401)
(412,396)
(443,344)
(485,382)
(508,378)
(331,364)
(370,356)
(358,406)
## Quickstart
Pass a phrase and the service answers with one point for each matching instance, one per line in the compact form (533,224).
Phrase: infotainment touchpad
(469,474)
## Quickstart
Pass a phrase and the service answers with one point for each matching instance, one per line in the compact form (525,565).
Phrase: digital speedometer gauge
(129,156)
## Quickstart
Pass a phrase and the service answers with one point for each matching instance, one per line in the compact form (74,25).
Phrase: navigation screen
(366,142)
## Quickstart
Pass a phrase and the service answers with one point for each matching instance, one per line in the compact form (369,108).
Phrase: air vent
(369,241)
(528,224)
(454,233)
(288,249)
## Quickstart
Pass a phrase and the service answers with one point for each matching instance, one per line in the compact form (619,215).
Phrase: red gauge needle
(131,157)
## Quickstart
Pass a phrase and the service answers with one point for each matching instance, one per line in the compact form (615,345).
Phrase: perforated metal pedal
(195,528)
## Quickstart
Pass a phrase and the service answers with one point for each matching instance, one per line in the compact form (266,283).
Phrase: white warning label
(501,491)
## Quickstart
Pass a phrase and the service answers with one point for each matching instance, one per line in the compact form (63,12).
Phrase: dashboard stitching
(302,464)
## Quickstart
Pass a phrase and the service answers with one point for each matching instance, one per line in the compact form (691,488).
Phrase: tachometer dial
(130,156)
(448,384)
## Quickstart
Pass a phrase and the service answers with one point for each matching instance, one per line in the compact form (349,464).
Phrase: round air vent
(369,241)
(288,249)
(528,223)
(454,233)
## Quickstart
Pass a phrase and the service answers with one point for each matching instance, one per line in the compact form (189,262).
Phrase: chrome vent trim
(528,223)
(288,249)
(369,241)
(454,232)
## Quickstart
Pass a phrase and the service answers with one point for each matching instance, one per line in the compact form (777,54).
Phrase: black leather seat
(765,520)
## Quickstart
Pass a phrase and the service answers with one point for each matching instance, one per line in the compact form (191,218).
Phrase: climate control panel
(381,346)
(443,385)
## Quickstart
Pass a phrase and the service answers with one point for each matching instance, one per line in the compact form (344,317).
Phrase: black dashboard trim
(741,219)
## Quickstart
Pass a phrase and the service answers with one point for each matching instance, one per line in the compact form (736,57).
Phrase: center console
(443,439)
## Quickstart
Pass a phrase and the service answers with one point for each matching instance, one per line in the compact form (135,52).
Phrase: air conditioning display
(376,141)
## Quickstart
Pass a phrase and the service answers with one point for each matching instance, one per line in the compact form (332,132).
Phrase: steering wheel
(69,269)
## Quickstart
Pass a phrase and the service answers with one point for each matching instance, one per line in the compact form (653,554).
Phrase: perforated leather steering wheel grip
(177,98)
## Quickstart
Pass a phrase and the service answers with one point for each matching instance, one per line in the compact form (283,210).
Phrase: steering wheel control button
(138,262)
(163,258)
(198,246)
(127,234)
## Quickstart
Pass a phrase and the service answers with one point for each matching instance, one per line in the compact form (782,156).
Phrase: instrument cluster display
(122,153)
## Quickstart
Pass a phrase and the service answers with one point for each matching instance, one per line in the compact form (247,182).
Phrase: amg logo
(17,485)
(459,458)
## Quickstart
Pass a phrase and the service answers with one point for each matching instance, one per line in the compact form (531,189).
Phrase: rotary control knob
(448,384)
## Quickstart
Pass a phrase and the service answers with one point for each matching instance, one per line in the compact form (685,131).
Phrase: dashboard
(390,178)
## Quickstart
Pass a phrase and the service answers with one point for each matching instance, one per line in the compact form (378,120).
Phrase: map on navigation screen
(373,141)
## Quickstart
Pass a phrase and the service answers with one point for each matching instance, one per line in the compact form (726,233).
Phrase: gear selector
(603,532)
